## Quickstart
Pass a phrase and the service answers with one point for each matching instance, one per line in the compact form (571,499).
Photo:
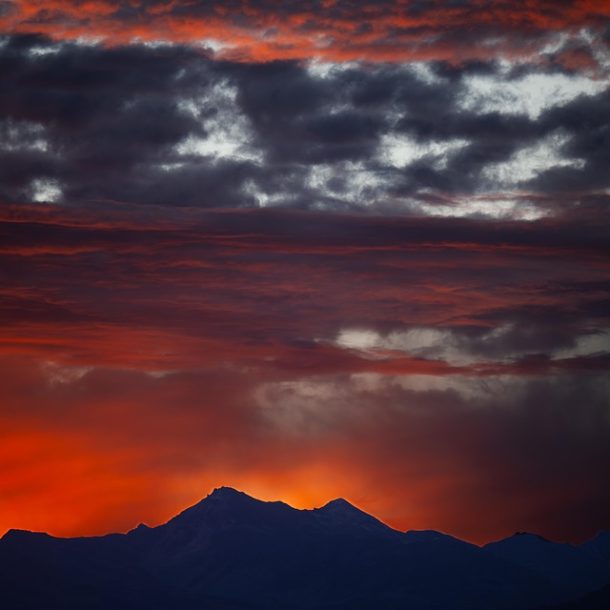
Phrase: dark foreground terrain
(232,552)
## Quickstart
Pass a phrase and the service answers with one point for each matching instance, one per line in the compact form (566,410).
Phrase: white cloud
(529,95)
(42,50)
(357,183)
(45,190)
(302,407)
(457,349)
(501,208)
(22,136)
(531,161)
(420,342)
(424,73)
(400,151)
(215,45)
(471,389)
(320,69)
(587,345)
(228,131)
(461,350)
(320,405)
(263,198)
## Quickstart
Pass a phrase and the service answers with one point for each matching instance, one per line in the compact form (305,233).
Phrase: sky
(308,249)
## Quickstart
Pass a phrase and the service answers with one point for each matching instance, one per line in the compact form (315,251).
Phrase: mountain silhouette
(233,552)
(568,568)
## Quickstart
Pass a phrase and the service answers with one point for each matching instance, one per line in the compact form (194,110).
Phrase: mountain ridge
(228,491)
(233,551)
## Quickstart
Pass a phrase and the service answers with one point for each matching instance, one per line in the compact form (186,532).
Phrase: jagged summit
(340,513)
(529,535)
(226,493)
(226,507)
(339,504)
(14,533)
(222,496)
(230,495)
(19,534)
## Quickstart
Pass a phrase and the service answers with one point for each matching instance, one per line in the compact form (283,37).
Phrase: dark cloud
(167,125)
(503,291)
(587,120)
(523,441)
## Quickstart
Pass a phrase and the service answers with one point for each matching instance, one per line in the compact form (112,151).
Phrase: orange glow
(331,34)
(130,398)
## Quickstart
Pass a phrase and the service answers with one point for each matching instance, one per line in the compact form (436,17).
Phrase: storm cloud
(169,125)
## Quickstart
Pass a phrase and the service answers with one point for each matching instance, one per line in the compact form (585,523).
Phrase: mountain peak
(223,496)
(224,505)
(530,536)
(226,492)
(15,534)
(340,504)
(341,513)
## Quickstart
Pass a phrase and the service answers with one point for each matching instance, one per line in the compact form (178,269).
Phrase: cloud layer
(441,372)
(169,125)
(335,30)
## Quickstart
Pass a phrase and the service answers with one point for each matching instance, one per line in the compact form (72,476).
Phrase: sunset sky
(307,249)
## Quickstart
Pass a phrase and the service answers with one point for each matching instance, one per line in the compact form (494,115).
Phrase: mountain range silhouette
(233,552)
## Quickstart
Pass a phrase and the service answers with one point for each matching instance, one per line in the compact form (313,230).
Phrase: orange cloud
(339,31)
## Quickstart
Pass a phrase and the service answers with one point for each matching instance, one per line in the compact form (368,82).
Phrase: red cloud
(338,31)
